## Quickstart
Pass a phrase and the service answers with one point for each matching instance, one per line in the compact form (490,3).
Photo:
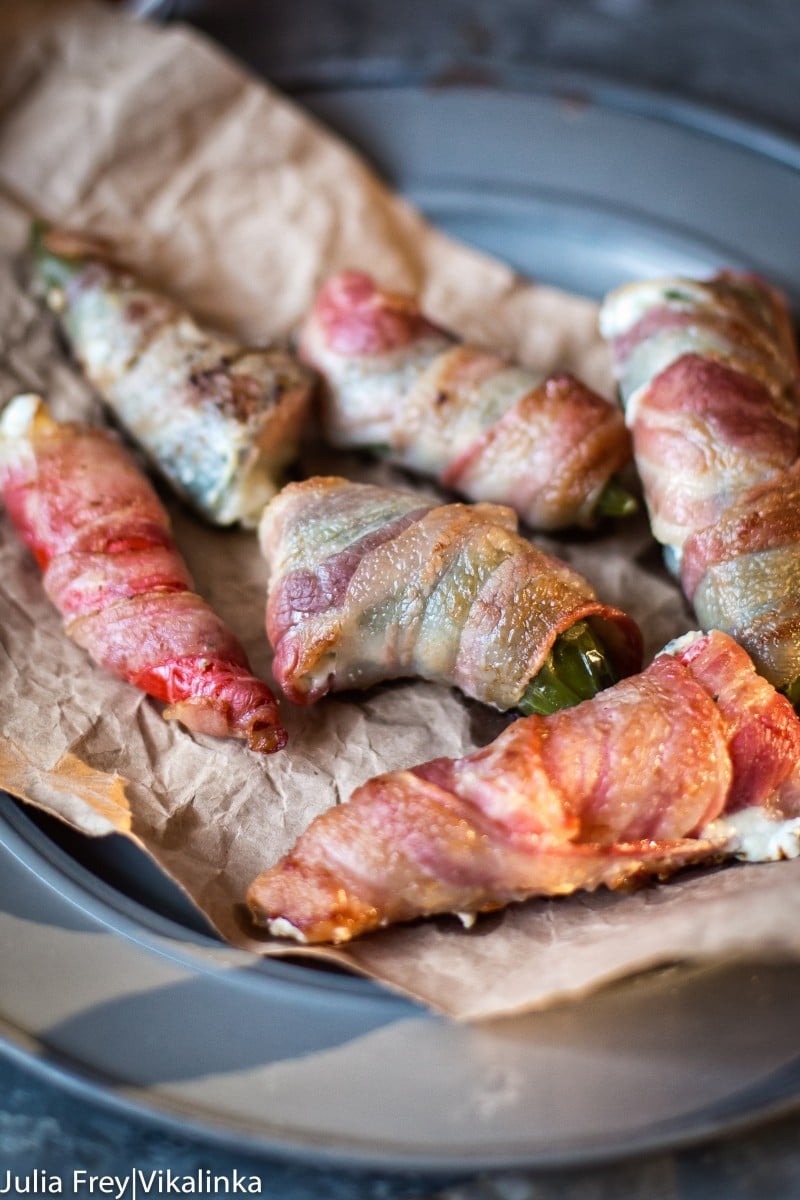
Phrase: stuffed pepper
(369,584)
(485,427)
(694,760)
(218,420)
(709,378)
(102,539)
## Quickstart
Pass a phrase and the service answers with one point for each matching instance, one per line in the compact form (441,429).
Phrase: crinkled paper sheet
(231,198)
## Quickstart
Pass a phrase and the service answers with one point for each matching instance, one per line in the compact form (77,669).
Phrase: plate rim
(444,76)
(77,1081)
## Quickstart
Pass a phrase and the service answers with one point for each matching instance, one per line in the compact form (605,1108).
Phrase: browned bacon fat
(694,759)
(487,428)
(102,539)
(709,378)
(370,583)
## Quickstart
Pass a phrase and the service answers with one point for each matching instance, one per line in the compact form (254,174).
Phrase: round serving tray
(113,983)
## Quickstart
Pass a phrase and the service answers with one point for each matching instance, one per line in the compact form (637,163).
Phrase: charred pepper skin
(219,421)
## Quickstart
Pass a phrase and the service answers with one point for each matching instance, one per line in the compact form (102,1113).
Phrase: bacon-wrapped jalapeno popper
(369,583)
(695,759)
(111,568)
(709,378)
(218,420)
(483,426)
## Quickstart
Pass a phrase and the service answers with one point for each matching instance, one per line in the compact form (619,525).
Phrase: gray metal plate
(111,981)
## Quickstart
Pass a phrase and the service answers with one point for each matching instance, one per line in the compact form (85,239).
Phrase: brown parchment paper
(232,199)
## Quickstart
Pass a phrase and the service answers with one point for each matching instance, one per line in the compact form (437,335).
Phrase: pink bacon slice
(371,583)
(742,574)
(708,373)
(634,782)
(489,429)
(103,541)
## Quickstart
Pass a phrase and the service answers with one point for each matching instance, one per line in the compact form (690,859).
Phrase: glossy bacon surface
(709,378)
(631,783)
(368,584)
(110,566)
(218,420)
(481,425)
(742,574)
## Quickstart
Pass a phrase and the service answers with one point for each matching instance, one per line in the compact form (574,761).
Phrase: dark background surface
(739,56)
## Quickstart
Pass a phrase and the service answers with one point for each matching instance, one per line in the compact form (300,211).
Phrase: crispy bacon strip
(368,584)
(742,574)
(710,381)
(220,421)
(102,539)
(638,781)
(483,426)
(708,375)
